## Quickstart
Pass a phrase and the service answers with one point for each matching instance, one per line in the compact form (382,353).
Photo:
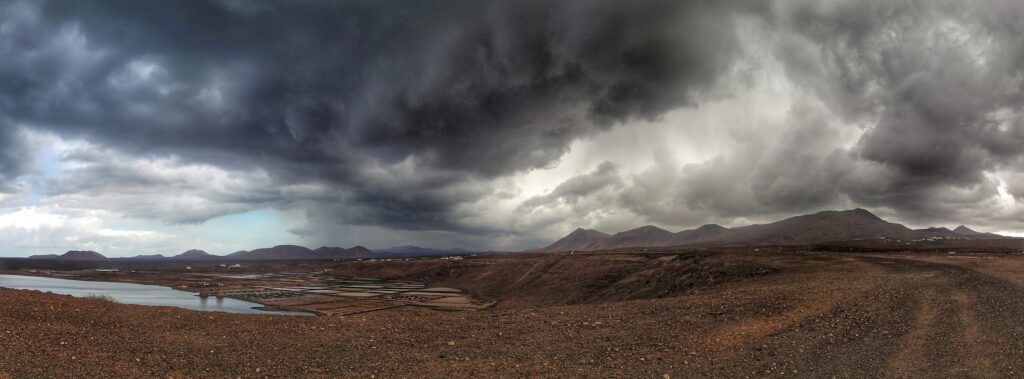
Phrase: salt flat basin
(140,294)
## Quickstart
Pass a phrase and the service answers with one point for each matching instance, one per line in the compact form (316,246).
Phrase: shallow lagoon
(140,294)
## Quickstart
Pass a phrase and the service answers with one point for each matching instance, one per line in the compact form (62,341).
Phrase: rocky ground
(725,314)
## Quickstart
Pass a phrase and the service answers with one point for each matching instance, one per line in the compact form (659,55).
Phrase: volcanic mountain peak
(579,239)
(281,252)
(857,216)
(645,230)
(860,212)
(711,228)
(359,249)
(820,227)
(963,230)
(968,232)
(580,232)
(826,226)
(588,233)
(82,256)
(703,233)
(343,253)
(193,254)
(647,235)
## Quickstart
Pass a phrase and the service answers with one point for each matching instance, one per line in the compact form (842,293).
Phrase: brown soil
(686,314)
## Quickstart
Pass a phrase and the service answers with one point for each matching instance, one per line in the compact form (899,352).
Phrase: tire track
(962,323)
(917,319)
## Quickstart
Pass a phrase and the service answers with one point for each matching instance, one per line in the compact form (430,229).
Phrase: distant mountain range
(821,227)
(281,252)
(828,226)
(73,255)
(420,251)
(357,252)
(293,252)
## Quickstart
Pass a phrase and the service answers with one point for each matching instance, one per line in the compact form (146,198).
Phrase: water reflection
(129,293)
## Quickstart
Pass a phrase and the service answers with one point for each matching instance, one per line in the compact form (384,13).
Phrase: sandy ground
(734,315)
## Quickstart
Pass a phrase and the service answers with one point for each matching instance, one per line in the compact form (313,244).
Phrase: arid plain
(655,313)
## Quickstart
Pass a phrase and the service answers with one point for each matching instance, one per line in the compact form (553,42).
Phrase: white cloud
(51,229)
(31,219)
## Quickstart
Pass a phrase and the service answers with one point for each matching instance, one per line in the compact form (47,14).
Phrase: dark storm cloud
(801,169)
(13,157)
(933,89)
(935,86)
(938,83)
(398,115)
(326,91)
(787,169)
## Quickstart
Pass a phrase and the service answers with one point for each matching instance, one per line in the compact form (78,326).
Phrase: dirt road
(908,318)
(784,315)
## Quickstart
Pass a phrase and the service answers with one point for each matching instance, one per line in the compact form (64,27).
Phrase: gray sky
(142,127)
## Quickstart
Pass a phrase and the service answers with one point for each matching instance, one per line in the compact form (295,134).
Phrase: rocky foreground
(782,315)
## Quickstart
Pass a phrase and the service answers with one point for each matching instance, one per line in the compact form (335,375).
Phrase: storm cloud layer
(466,121)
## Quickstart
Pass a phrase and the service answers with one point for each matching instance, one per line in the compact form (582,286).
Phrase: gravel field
(783,315)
